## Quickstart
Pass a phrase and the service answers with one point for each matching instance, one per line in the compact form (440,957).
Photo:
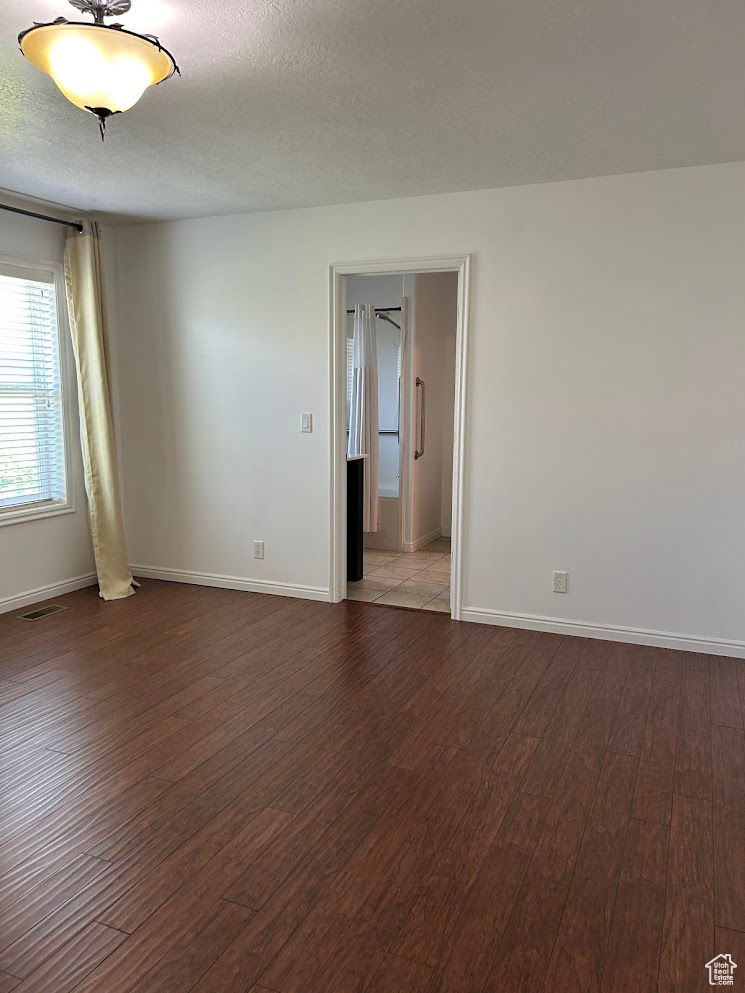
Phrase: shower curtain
(363,417)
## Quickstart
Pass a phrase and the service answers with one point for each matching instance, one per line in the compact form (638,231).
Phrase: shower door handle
(422,416)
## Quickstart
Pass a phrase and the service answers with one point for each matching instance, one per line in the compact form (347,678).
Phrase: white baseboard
(446,533)
(605,632)
(414,546)
(232,582)
(46,592)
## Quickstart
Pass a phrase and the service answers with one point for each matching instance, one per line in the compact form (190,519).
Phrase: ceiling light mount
(102,8)
(102,68)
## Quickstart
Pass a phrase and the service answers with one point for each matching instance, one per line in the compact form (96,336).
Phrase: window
(350,376)
(33,478)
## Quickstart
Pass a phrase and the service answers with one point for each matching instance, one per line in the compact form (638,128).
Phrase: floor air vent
(34,615)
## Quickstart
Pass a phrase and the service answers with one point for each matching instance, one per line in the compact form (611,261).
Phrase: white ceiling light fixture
(101,68)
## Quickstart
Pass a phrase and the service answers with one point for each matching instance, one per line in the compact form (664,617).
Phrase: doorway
(422,333)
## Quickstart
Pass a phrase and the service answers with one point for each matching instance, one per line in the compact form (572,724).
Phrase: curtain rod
(380,310)
(42,217)
(382,313)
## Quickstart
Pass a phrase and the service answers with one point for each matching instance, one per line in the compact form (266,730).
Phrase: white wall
(435,310)
(605,404)
(47,556)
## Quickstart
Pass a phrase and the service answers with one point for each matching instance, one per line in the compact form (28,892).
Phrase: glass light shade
(96,66)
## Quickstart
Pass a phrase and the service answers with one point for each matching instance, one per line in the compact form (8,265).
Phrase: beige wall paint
(448,405)
(435,310)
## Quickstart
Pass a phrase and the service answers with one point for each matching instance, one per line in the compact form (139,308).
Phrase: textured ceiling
(306,102)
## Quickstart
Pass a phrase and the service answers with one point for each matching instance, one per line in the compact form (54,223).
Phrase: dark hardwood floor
(223,792)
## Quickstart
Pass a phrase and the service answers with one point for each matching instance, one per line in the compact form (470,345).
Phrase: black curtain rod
(380,310)
(42,217)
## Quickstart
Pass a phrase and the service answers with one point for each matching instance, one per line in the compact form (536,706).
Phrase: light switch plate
(306,423)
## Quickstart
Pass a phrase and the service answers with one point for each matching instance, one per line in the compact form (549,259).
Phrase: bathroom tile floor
(406,579)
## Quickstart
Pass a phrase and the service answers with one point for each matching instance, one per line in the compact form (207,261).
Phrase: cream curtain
(85,306)
(363,414)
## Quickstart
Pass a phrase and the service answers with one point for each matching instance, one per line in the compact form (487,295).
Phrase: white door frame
(338,417)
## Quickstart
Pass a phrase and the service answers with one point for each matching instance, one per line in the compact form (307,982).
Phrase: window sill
(34,512)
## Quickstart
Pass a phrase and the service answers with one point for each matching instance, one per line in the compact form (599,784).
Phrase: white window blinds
(32,444)
(350,375)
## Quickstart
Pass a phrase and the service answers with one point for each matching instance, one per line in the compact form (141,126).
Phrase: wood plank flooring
(220,792)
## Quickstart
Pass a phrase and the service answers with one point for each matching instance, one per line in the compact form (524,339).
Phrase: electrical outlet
(561,582)
(306,423)
(258,549)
